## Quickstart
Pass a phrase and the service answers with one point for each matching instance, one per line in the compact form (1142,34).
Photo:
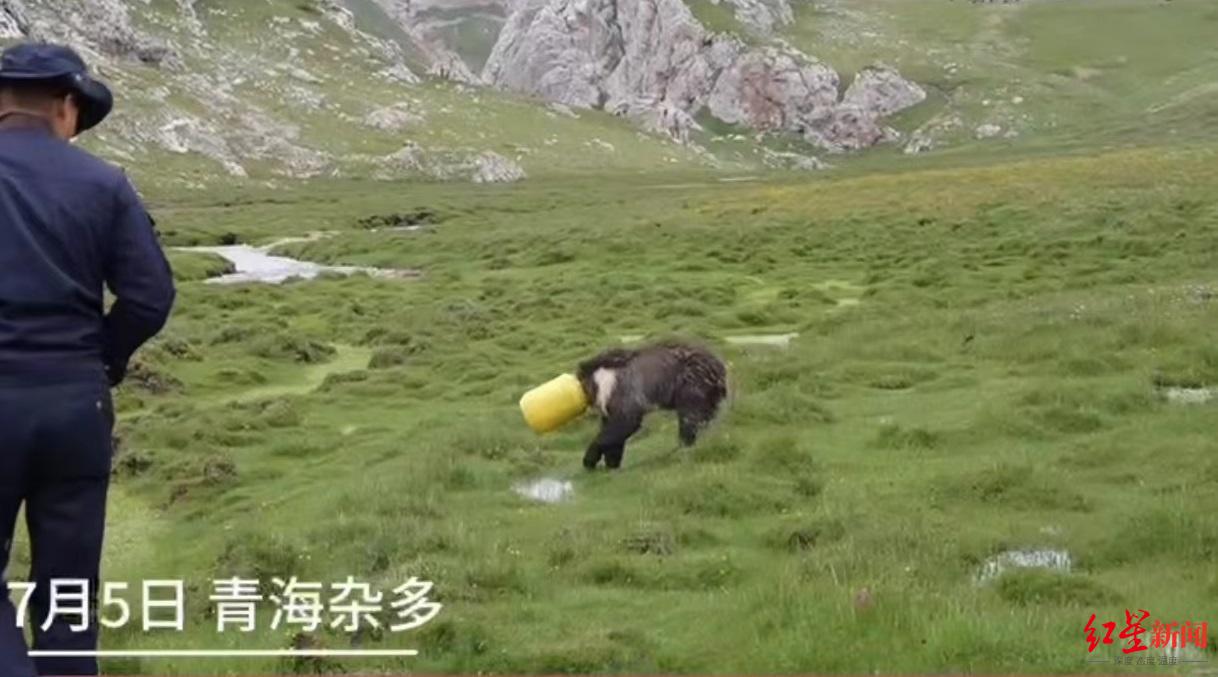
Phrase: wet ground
(772,340)
(1190,395)
(257,264)
(996,566)
(546,490)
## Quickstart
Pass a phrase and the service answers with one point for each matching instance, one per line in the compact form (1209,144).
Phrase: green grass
(1025,68)
(994,387)
(273,41)
(717,17)
(983,336)
(194,266)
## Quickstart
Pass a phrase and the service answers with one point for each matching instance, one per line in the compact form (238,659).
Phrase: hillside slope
(1033,75)
(212,94)
(487,91)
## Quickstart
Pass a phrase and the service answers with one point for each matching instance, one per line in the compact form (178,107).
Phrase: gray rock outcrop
(771,90)
(412,160)
(103,26)
(987,131)
(393,118)
(224,125)
(882,91)
(653,61)
(559,51)
(789,160)
(440,59)
(930,135)
(281,100)
(13,24)
(491,167)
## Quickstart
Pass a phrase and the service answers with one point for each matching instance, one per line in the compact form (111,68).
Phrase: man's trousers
(55,458)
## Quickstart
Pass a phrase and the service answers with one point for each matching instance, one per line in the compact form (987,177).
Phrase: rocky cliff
(307,88)
(248,90)
(652,60)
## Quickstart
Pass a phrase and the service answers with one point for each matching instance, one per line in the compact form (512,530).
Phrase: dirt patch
(402,221)
(806,535)
(144,377)
(131,463)
(651,540)
(387,358)
(219,470)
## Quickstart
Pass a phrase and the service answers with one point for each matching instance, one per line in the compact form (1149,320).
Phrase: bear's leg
(693,415)
(689,424)
(617,429)
(592,456)
(696,408)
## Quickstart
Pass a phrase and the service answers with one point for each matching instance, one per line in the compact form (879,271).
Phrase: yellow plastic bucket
(552,405)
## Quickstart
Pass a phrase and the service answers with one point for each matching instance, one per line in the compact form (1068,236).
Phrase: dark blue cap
(56,63)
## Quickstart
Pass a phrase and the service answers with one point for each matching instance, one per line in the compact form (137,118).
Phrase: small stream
(258,264)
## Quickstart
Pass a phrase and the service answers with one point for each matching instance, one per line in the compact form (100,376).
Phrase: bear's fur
(625,384)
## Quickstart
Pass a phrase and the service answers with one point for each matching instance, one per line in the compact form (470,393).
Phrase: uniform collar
(18,119)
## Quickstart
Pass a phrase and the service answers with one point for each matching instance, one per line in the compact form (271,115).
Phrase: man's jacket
(72,225)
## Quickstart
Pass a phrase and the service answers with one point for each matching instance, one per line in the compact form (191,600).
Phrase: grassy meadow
(981,366)
(1049,74)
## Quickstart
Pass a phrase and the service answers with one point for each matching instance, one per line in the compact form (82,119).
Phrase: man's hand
(115,374)
(139,276)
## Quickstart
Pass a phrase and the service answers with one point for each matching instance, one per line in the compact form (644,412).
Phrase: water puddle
(258,264)
(1190,395)
(772,340)
(996,566)
(546,490)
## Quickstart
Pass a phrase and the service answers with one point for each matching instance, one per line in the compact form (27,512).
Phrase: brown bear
(625,384)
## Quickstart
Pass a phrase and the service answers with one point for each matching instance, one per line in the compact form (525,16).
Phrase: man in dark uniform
(70,227)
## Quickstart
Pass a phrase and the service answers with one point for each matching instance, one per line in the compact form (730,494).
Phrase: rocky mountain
(499,90)
(413,88)
(653,61)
